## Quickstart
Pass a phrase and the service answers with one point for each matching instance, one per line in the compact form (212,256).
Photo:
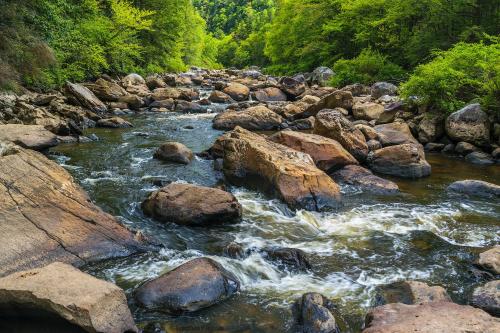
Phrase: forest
(444,51)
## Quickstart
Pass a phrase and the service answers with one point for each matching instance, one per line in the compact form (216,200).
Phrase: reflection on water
(423,234)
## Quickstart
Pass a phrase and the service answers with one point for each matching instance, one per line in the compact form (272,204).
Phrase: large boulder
(337,99)
(239,92)
(94,305)
(365,180)
(480,158)
(174,152)
(107,91)
(395,134)
(194,285)
(367,111)
(431,128)
(85,97)
(469,124)
(188,107)
(28,136)
(133,79)
(327,153)
(476,188)
(292,87)
(188,204)
(219,97)
(430,317)
(332,124)
(257,118)
(276,169)
(487,297)
(413,292)
(322,75)
(270,94)
(380,89)
(314,314)
(45,217)
(406,161)
(490,260)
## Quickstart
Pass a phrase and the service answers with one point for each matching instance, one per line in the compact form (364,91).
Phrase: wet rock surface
(194,205)
(406,161)
(475,188)
(60,289)
(174,152)
(413,292)
(365,180)
(314,314)
(289,257)
(487,297)
(192,286)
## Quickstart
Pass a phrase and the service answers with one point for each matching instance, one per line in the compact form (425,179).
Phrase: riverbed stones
(327,153)
(60,289)
(332,124)
(475,188)
(289,257)
(395,134)
(292,87)
(337,99)
(367,111)
(47,217)
(114,122)
(238,92)
(252,160)
(365,180)
(192,286)
(174,152)
(465,148)
(480,158)
(487,297)
(193,205)
(188,107)
(257,118)
(219,97)
(430,128)
(314,314)
(406,161)
(107,91)
(469,124)
(86,97)
(490,260)
(380,89)
(430,317)
(413,292)
(34,137)
(270,94)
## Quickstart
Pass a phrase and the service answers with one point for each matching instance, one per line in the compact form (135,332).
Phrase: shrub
(367,68)
(464,74)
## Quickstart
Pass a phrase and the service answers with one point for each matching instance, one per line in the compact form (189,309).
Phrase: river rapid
(423,233)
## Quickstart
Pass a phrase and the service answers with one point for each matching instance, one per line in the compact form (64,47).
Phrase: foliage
(466,73)
(368,68)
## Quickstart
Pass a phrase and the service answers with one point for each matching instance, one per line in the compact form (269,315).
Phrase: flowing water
(424,233)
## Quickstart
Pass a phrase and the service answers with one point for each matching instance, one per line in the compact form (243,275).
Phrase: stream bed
(424,233)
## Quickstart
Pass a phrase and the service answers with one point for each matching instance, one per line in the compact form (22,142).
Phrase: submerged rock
(406,161)
(314,314)
(332,124)
(60,289)
(194,205)
(487,297)
(47,217)
(251,159)
(34,137)
(365,180)
(194,285)
(257,118)
(174,152)
(327,153)
(476,188)
(413,292)
(469,124)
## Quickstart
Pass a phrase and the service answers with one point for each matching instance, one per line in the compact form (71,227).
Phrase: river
(424,233)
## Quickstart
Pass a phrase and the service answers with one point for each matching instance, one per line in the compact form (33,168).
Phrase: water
(423,234)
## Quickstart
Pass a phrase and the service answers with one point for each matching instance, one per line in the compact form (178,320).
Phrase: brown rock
(327,153)
(188,204)
(219,97)
(332,124)
(86,97)
(115,122)
(490,260)
(367,111)
(106,90)
(431,128)
(92,304)
(369,132)
(407,161)
(337,99)
(270,94)
(194,285)
(289,174)
(237,91)
(365,180)
(413,292)
(47,217)
(257,118)
(28,136)
(469,124)
(314,314)
(395,134)
(153,82)
(292,87)
(487,297)
(432,317)
(174,152)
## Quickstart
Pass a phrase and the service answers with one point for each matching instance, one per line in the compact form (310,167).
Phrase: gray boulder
(469,124)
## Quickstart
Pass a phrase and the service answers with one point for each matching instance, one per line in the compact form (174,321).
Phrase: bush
(367,68)
(454,78)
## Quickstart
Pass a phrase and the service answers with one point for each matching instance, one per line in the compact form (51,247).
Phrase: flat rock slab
(432,317)
(194,205)
(475,188)
(86,97)
(250,159)
(257,118)
(194,285)
(413,292)
(92,304)
(45,217)
(365,180)
(28,136)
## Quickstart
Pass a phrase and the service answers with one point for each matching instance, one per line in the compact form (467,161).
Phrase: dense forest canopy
(45,42)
